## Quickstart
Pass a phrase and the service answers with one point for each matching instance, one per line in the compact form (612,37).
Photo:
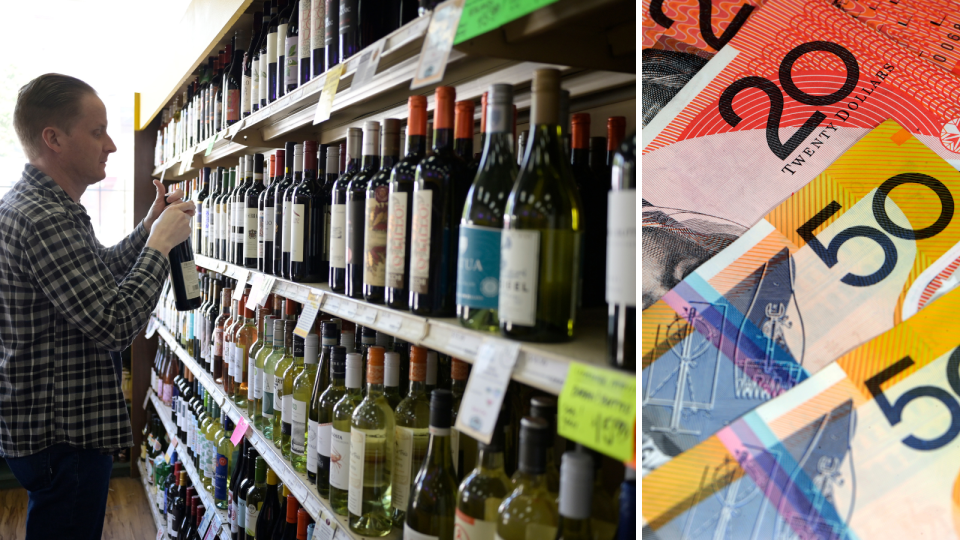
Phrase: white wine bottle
(412,436)
(329,399)
(433,500)
(482,491)
(542,230)
(340,436)
(530,510)
(576,490)
(302,392)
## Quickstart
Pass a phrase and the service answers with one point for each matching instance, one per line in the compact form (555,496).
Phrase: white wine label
(323,439)
(622,247)
(292,60)
(287,225)
(287,408)
(298,435)
(251,374)
(296,234)
(410,534)
(250,234)
(396,239)
(338,248)
(251,519)
(239,212)
(340,459)
(358,450)
(420,241)
(312,433)
(269,215)
(239,359)
(403,442)
(278,395)
(470,528)
(519,275)
(257,382)
(191,283)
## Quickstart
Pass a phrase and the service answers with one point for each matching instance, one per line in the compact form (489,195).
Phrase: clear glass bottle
(270,408)
(340,438)
(329,336)
(530,510)
(246,336)
(412,418)
(576,489)
(433,500)
(282,400)
(482,491)
(391,378)
(371,455)
(225,450)
(255,497)
(328,400)
(301,390)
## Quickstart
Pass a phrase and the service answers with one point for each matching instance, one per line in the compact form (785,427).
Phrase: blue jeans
(68,489)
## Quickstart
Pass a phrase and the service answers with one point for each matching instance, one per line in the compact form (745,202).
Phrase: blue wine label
(478,267)
(220,478)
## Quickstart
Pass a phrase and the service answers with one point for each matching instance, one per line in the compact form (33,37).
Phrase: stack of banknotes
(801,245)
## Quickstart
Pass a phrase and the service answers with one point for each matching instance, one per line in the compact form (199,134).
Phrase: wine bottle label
(297,219)
(257,382)
(411,446)
(338,220)
(254,86)
(250,234)
(323,439)
(241,514)
(239,213)
(340,459)
(358,457)
(191,283)
(292,61)
(519,267)
(281,50)
(232,513)
(354,231)
(311,450)
(465,526)
(346,18)
(239,359)
(246,86)
(233,104)
(278,396)
(375,238)
(271,53)
(166,393)
(298,426)
(269,225)
(287,409)
(478,267)
(303,40)
(420,241)
(325,242)
(317,12)
(263,84)
(287,225)
(260,219)
(410,534)
(622,247)
(173,524)
(268,398)
(330,23)
(250,522)
(251,374)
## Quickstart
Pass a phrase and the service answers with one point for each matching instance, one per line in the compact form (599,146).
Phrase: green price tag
(482,16)
(210,146)
(598,408)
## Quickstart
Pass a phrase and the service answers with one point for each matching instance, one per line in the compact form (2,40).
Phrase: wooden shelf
(540,365)
(300,486)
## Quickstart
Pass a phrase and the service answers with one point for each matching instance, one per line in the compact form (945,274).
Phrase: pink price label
(239,432)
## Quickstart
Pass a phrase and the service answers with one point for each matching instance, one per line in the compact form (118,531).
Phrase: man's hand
(160,203)
(172,227)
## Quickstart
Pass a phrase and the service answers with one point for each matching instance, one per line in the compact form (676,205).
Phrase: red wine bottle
(291,73)
(622,259)
(331,32)
(266,203)
(278,193)
(184,277)
(318,48)
(338,211)
(288,208)
(593,195)
(376,216)
(349,31)
(252,218)
(307,222)
(356,204)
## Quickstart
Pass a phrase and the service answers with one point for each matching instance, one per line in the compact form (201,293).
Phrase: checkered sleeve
(121,257)
(82,287)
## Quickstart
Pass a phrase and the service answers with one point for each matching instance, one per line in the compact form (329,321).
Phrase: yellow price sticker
(598,408)
(330,84)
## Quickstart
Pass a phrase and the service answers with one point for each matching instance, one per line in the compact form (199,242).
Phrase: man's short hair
(50,100)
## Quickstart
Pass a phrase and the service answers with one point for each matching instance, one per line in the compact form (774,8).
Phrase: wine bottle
(330,170)
(177,507)
(463,135)
(616,130)
(255,497)
(303,522)
(338,213)
(277,532)
(225,449)
(398,209)
(482,491)
(266,58)
(233,89)
(200,200)
(371,455)
(321,380)
(356,202)
(269,379)
(239,469)
(270,510)
(223,177)
(241,216)
(593,195)
(331,32)
(286,10)
(272,57)
(210,214)
(433,501)
(247,482)
(268,202)
(251,230)
(598,158)
(289,531)
(576,488)
(253,402)
(621,291)
(190,507)
(258,374)
(530,510)
(293,351)
(412,419)
(280,191)
(340,436)
(209,461)
(540,244)
(478,265)
(246,89)
(545,407)
(317,31)
(438,198)
(328,400)
(349,31)
(198,519)
(376,215)
(391,378)
(287,227)
(292,73)
(301,388)
(307,222)
(463,448)
(184,277)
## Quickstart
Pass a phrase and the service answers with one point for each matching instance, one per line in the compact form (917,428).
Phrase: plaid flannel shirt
(65,301)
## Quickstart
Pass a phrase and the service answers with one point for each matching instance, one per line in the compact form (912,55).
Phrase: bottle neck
(438,450)
(374,390)
(464,148)
(418,387)
(416,145)
(442,139)
(490,459)
(371,162)
(338,380)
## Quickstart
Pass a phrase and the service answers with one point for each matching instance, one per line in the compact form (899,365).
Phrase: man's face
(85,149)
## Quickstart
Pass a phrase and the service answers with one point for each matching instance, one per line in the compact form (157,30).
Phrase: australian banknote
(866,448)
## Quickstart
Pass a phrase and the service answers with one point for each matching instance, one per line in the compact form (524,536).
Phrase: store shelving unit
(151,500)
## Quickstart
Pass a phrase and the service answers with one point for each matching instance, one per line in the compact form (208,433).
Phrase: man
(65,303)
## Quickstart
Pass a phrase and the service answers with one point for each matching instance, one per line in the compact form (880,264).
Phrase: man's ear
(52,138)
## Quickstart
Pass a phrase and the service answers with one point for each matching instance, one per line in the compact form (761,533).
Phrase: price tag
(369,61)
(368,316)
(437,44)
(326,527)
(350,311)
(598,408)
(308,315)
(481,16)
(151,327)
(391,321)
(265,289)
(325,105)
(463,344)
(210,146)
(239,431)
(256,283)
(187,161)
(205,524)
(486,388)
(214,529)
(241,284)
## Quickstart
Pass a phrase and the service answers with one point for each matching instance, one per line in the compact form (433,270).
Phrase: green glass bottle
(328,400)
(433,501)
(279,369)
(412,418)
(482,491)
(225,461)
(391,379)
(576,490)
(542,230)
(372,430)
(478,265)
(530,510)
(329,336)
(301,392)
(260,421)
(269,381)
(340,436)
(254,499)
(288,374)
